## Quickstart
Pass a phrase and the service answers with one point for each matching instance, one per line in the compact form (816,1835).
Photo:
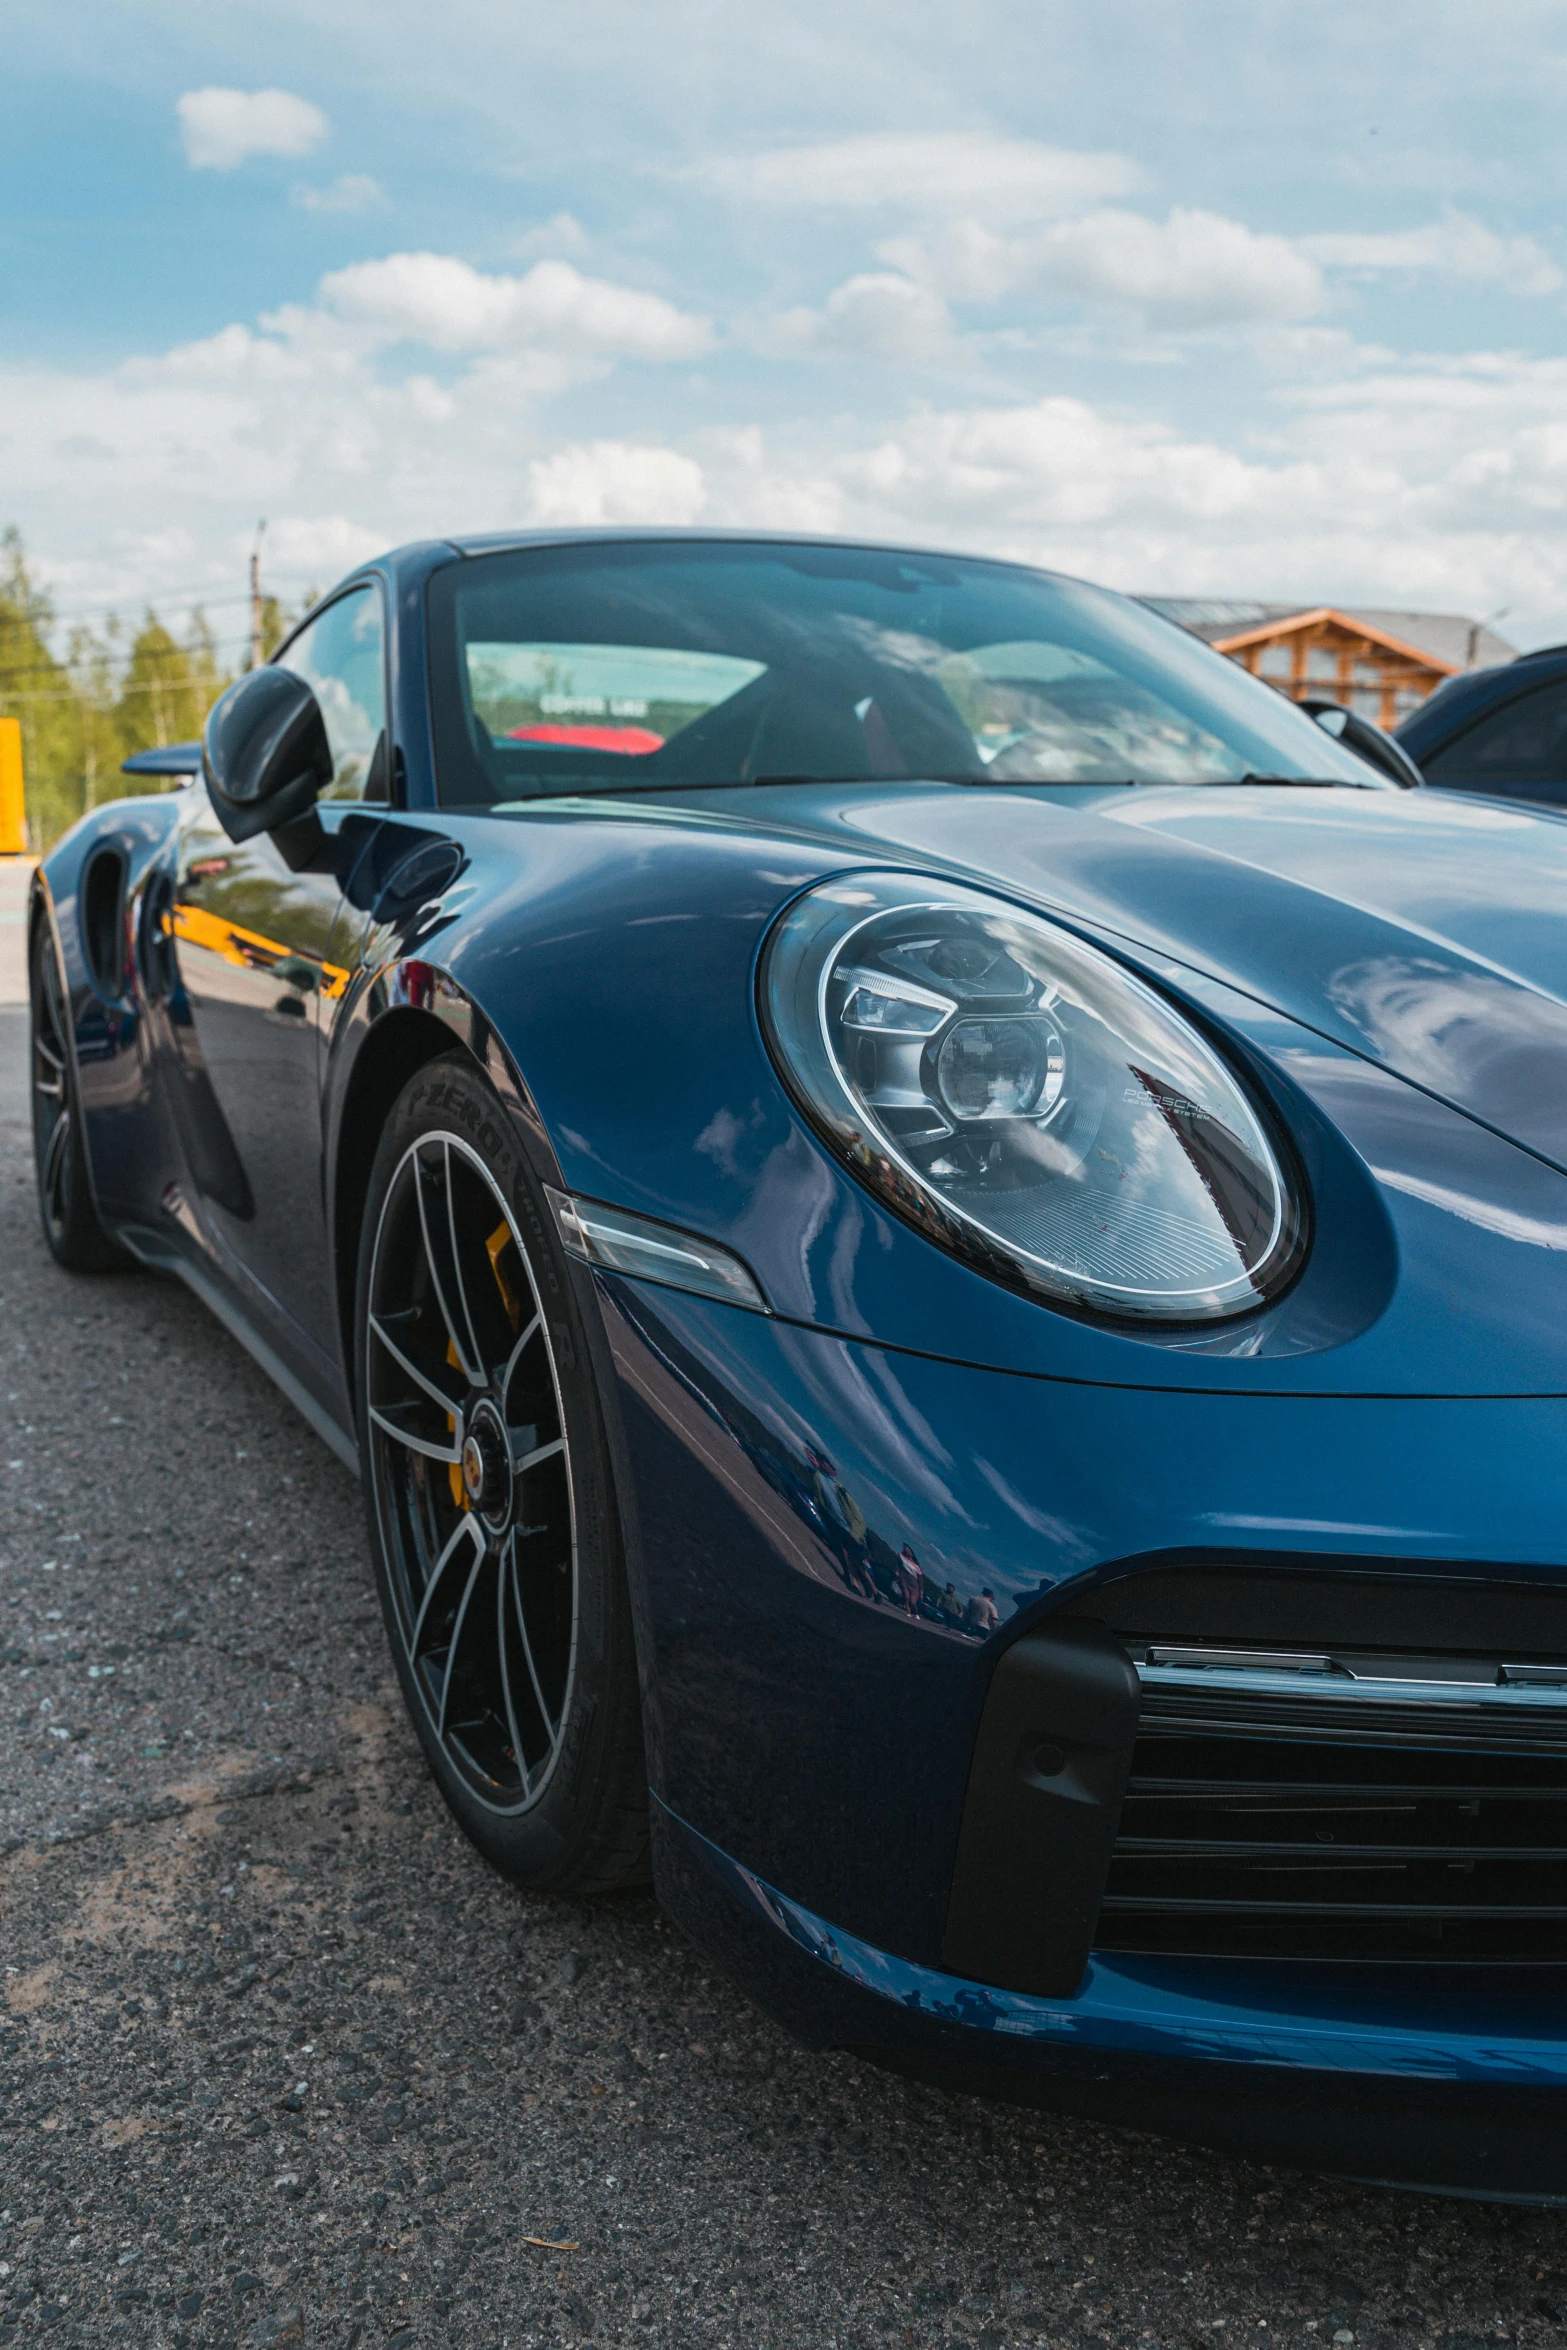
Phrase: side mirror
(1367,741)
(265,754)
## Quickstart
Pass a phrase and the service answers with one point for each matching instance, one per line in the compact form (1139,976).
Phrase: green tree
(159,698)
(36,688)
(201,651)
(81,715)
(276,621)
(91,663)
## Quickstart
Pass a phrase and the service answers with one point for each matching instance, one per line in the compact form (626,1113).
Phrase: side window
(339,655)
(1526,742)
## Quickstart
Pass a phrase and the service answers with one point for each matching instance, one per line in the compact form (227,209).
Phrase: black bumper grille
(1323,1824)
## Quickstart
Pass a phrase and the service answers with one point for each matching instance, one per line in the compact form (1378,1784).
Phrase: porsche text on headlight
(1026,1101)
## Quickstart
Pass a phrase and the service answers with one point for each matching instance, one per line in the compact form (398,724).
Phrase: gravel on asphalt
(282,2060)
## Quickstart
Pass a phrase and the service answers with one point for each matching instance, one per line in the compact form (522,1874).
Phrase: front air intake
(1315,1804)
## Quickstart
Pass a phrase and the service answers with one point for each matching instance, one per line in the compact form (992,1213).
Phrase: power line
(13,682)
(49,664)
(190,597)
(170,682)
(195,597)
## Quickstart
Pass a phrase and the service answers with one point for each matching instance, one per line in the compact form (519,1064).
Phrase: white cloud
(1194,270)
(614,481)
(314,549)
(1454,245)
(144,479)
(561,233)
(880,315)
(990,178)
(436,299)
(1053,472)
(1443,489)
(1357,478)
(221,128)
(355,191)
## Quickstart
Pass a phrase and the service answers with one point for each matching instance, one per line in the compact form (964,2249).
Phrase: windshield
(668,664)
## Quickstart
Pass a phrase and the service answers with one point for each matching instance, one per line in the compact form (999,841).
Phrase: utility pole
(257,648)
(1477,629)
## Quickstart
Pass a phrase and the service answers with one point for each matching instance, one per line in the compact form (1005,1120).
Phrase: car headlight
(1026,1102)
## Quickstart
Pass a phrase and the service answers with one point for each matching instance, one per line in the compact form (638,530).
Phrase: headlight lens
(1026,1102)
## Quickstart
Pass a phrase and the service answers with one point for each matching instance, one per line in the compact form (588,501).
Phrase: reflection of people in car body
(911,1580)
(844,1521)
(982,1614)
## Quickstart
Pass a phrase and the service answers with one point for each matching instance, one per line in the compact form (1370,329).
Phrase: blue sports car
(939,1232)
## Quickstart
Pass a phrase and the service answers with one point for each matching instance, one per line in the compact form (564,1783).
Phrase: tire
(76,1238)
(493,1525)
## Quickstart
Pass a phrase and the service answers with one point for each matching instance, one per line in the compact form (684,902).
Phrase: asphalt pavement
(281,2059)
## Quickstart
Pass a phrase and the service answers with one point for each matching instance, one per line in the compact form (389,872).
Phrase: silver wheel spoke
(464,1530)
(471,1368)
(502,1586)
(515,1357)
(540,1452)
(450,1451)
(475,1353)
(432,1388)
(549,1720)
(457,1632)
(55,1164)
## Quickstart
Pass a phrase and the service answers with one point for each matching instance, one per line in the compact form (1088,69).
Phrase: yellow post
(13,806)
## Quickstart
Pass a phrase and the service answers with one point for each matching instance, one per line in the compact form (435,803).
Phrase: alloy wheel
(52,1121)
(471,1472)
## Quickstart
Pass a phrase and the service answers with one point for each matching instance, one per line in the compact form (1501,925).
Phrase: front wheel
(492,1517)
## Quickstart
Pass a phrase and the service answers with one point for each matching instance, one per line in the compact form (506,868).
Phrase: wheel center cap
(486,1465)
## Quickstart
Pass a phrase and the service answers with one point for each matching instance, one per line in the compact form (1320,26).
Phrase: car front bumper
(813,1737)
(1445,2080)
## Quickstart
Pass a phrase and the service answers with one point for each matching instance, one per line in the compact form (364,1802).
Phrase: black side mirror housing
(265,754)
(1367,741)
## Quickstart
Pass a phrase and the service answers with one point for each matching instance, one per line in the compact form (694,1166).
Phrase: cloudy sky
(1227,298)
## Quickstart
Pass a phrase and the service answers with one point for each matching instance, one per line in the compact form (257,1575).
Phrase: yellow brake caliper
(494,1248)
(454,1469)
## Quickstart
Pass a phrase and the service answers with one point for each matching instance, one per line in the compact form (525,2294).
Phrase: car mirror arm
(304,843)
(1368,741)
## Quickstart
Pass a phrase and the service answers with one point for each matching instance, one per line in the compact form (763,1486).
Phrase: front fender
(603,961)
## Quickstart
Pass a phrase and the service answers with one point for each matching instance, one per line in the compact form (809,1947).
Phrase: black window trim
(378,581)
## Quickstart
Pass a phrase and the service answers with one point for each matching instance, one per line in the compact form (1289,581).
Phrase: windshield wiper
(617,786)
(756,782)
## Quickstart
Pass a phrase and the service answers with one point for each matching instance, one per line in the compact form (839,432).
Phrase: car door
(260,991)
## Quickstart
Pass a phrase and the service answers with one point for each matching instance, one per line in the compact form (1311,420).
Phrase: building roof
(1450,638)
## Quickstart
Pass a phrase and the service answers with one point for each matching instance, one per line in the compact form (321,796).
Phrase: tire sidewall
(81,1244)
(545,1843)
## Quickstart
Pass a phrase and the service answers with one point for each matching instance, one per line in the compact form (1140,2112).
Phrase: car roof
(1460,700)
(686,534)
(426,555)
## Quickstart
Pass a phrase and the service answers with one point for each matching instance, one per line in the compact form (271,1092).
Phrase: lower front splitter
(1451,2080)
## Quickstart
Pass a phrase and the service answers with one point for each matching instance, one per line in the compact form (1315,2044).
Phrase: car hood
(1424,930)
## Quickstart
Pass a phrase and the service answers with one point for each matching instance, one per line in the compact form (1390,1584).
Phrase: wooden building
(1382,664)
